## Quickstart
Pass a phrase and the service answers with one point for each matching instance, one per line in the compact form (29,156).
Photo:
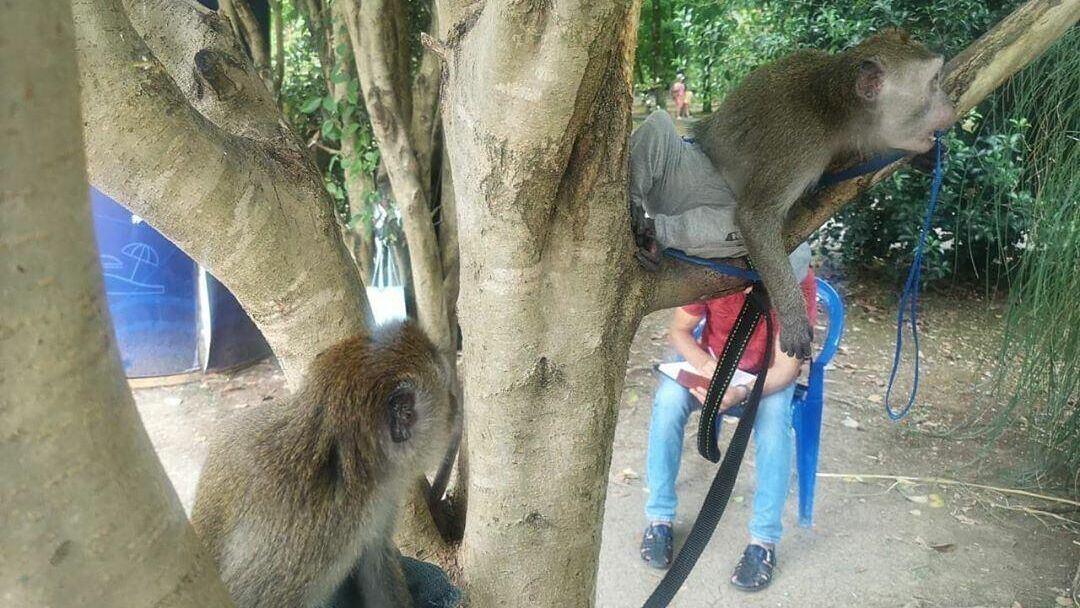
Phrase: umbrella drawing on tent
(117,285)
(140,252)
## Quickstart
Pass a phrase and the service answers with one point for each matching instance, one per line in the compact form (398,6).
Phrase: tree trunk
(89,516)
(359,185)
(221,176)
(548,304)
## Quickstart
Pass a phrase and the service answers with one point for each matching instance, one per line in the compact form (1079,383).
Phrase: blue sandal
(657,546)
(754,570)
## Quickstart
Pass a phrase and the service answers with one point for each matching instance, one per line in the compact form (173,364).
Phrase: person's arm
(681,334)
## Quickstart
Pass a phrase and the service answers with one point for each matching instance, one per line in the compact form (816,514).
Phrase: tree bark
(538,132)
(90,518)
(222,177)
(255,42)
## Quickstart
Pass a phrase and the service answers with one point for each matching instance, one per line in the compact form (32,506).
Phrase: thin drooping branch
(229,184)
(254,39)
(387,111)
(969,77)
(279,45)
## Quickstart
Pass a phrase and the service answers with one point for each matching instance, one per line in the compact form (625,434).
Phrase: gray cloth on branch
(428,584)
(691,204)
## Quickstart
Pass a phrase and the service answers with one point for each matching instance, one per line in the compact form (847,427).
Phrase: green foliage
(1039,363)
(330,114)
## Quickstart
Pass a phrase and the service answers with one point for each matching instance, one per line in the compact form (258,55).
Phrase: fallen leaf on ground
(915,512)
(944,547)
(874,398)
(964,519)
(935,501)
(850,422)
(628,474)
(921,499)
(1064,601)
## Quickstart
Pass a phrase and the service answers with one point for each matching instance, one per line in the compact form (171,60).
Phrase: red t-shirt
(720,314)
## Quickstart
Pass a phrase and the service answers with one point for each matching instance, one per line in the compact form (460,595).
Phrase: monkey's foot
(649,250)
(796,338)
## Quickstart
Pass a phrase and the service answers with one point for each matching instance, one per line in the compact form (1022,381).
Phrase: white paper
(672,369)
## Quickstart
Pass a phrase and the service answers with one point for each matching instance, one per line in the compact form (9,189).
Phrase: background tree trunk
(89,517)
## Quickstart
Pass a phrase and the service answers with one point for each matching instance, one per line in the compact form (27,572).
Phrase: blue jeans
(773,446)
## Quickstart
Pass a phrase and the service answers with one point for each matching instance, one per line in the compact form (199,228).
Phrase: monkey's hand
(796,335)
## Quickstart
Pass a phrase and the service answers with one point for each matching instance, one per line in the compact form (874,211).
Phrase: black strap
(754,308)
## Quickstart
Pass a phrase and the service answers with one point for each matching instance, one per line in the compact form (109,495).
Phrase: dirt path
(870,546)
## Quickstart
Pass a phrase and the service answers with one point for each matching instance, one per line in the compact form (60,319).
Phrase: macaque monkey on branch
(769,143)
(778,131)
(299,496)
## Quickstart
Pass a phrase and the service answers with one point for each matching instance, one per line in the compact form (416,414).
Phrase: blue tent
(169,315)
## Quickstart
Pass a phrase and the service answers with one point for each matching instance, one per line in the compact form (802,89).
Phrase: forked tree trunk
(89,517)
(538,117)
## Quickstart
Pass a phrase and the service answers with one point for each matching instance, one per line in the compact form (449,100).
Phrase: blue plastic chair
(808,403)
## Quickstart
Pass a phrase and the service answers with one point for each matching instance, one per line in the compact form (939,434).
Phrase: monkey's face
(912,105)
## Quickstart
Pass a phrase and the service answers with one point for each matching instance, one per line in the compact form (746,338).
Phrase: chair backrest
(834,307)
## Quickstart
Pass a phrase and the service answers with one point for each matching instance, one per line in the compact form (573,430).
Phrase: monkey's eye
(401,407)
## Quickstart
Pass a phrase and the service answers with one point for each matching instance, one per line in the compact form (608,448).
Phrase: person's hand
(708,368)
(734,395)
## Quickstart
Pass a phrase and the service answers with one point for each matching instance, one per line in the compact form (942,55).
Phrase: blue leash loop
(909,298)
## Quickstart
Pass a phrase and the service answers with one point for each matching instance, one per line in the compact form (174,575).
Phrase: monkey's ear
(401,407)
(870,80)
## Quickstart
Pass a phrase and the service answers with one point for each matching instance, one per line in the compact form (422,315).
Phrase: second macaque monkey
(778,131)
(301,495)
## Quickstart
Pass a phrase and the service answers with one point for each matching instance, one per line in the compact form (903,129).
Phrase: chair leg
(807,423)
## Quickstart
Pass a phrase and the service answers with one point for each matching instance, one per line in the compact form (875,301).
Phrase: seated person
(773,434)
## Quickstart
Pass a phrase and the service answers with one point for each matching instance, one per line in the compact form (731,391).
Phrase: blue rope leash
(909,298)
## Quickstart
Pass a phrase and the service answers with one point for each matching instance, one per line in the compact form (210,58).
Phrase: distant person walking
(678,93)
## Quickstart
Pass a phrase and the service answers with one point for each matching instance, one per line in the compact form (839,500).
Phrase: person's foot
(657,545)
(755,568)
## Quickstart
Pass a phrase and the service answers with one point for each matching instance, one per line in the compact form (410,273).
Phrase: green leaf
(311,105)
(329,130)
(341,49)
(329,104)
(339,77)
(350,129)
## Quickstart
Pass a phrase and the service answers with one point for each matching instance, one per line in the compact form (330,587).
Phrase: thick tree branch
(969,77)
(252,210)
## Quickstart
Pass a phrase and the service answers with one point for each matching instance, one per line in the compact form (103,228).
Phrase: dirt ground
(875,542)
